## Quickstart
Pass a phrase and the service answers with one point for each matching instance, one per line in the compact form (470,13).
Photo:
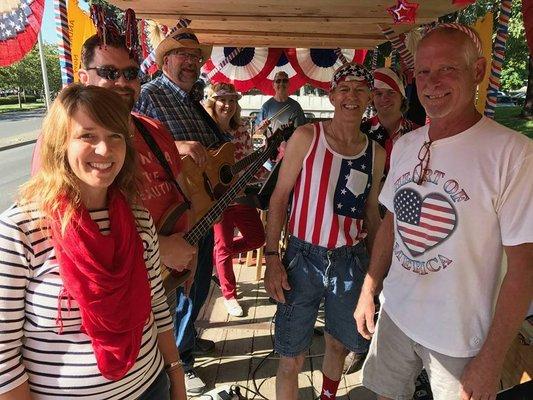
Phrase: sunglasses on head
(281,80)
(421,169)
(112,73)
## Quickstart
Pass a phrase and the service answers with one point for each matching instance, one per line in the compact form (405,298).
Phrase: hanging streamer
(498,55)
(223,63)
(65,55)
(406,57)
(375,54)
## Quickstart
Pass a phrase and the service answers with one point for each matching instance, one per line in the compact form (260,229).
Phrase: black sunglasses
(420,171)
(282,80)
(112,73)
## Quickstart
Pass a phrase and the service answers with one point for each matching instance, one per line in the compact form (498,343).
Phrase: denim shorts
(315,274)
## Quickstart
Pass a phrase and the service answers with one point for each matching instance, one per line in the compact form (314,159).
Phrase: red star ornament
(403,12)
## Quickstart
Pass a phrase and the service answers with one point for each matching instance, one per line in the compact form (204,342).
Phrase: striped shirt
(330,194)
(63,365)
(166,102)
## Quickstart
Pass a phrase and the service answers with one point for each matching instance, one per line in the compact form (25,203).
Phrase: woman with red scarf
(223,106)
(82,308)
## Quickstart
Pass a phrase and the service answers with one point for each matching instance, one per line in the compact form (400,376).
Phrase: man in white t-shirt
(458,195)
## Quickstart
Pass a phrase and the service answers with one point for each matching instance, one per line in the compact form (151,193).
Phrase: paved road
(16,122)
(14,171)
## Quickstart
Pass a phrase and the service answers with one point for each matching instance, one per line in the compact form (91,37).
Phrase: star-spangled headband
(351,72)
(386,78)
(465,29)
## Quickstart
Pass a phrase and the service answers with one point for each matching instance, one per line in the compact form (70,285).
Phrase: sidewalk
(22,139)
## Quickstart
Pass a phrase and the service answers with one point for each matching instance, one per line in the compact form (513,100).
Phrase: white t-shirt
(448,232)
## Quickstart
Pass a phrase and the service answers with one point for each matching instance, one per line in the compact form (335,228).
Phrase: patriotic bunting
(20,22)
(246,70)
(318,65)
(296,81)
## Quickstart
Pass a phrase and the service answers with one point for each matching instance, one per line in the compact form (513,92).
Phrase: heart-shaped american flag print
(423,223)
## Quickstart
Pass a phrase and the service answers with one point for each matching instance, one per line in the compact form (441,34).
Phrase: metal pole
(44,72)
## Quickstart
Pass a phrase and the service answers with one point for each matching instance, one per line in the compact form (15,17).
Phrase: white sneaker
(233,307)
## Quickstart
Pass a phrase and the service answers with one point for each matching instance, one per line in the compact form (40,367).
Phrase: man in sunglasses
(110,66)
(458,195)
(168,98)
(280,101)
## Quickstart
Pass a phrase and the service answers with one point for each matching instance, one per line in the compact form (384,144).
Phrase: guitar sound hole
(225,174)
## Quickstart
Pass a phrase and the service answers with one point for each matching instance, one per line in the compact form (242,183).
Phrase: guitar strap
(222,137)
(152,144)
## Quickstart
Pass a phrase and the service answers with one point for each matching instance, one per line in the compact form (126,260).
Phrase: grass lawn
(509,116)
(15,107)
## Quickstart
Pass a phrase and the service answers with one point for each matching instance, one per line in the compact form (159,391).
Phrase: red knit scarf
(107,276)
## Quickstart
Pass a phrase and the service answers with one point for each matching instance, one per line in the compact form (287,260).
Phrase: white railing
(317,105)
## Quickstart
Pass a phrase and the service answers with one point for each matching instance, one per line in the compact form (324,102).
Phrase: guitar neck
(206,222)
(244,162)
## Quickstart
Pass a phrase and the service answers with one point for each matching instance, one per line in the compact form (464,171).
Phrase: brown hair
(89,47)
(55,177)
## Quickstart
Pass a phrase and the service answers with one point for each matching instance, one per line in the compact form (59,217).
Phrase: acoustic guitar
(208,184)
(172,278)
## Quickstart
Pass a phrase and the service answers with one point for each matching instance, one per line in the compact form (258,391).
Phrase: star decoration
(363,167)
(328,394)
(403,12)
(350,163)
(343,191)
(339,206)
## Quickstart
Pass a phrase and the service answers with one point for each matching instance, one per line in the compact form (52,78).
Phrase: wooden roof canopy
(351,24)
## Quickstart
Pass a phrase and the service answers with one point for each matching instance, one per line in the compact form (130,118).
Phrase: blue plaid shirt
(166,102)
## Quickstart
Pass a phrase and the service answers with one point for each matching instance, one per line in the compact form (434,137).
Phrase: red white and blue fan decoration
(296,81)
(245,70)
(20,22)
(317,65)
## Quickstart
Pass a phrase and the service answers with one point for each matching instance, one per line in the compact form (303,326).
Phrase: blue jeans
(188,308)
(315,273)
(159,389)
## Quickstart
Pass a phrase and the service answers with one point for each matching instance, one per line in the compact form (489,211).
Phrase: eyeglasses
(421,168)
(112,73)
(195,58)
(282,80)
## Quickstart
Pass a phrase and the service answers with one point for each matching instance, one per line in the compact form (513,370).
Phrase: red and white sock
(329,388)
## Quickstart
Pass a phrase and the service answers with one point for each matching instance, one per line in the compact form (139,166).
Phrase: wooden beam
(282,19)
(280,41)
(296,35)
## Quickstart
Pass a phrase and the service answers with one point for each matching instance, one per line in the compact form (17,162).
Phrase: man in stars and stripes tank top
(333,172)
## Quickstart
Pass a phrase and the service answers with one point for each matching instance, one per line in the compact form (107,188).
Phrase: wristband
(173,365)
(271,253)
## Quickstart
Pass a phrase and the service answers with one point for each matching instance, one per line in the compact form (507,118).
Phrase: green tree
(25,75)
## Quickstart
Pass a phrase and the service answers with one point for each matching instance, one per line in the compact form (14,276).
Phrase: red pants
(247,220)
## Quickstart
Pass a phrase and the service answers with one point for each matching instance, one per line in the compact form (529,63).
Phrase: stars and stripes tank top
(330,194)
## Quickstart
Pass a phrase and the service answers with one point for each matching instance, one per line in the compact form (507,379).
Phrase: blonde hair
(55,177)
(209,103)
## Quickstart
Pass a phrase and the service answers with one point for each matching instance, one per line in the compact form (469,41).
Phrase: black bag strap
(152,144)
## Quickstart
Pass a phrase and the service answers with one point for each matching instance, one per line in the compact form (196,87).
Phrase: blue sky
(48,25)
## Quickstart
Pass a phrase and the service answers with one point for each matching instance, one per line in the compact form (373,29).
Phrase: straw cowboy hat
(182,37)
